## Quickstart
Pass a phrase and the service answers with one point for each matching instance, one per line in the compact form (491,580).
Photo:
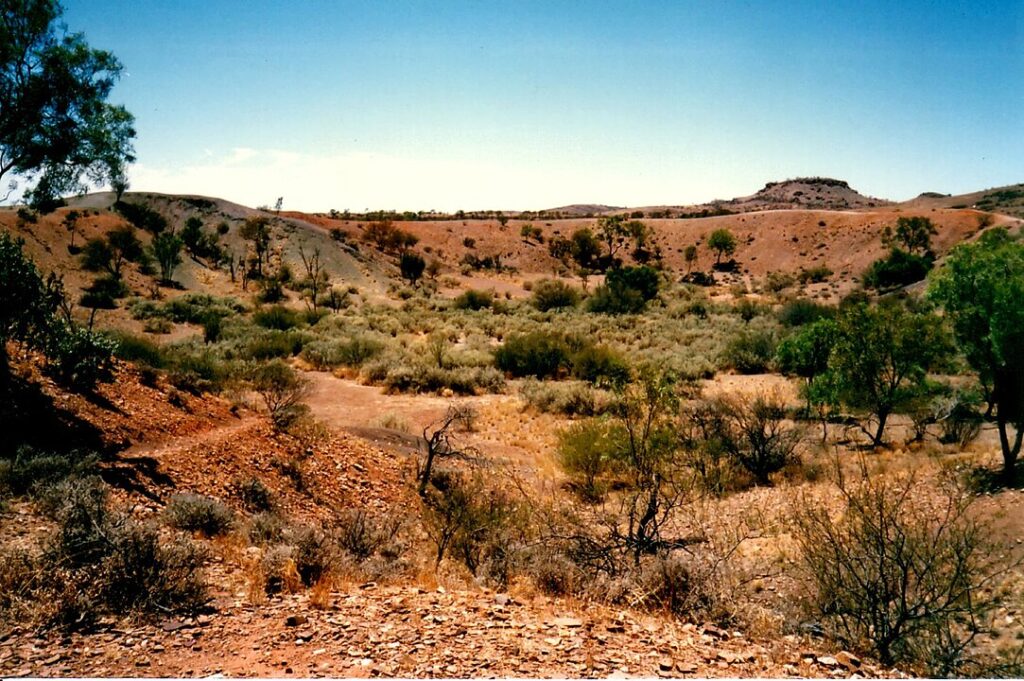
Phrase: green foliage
(806,353)
(277,317)
(553,294)
(815,275)
(138,349)
(900,268)
(981,286)
(586,451)
(77,357)
(626,290)
(914,234)
(601,366)
(722,242)
(473,300)
(55,123)
(103,293)
(801,311)
(750,351)
(881,356)
(27,301)
(351,352)
(167,252)
(191,308)
(537,354)
(142,217)
(282,390)
(412,266)
(35,473)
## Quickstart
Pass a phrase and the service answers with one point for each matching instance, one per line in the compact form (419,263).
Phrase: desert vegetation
(782,431)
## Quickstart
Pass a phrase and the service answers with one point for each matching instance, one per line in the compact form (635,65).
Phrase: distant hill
(1008,200)
(811,193)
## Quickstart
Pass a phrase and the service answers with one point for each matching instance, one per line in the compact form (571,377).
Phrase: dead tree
(439,441)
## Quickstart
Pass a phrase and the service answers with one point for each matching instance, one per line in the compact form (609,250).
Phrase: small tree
(70,223)
(110,254)
(899,575)
(981,286)
(913,233)
(644,410)
(881,356)
(317,279)
(412,266)
(722,242)
(282,390)
(192,237)
(167,252)
(256,230)
(690,256)
(757,435)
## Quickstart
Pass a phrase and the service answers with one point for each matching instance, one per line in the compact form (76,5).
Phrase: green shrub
(898,269)
(474,300)
(776,282)
(586,450)
(571,398)
(79,358)
(195,371)
(31,472)
(266,528)
(277,317)
(626,290)
(536,354)
(273,344)
(104,293)
(352,352)
(138,349)
(815,275)
(144,574)
(282,390)
(423,378)
(750,351)
(553,294)
(191,308)
(195,513)
(601,366)
(801,311)
(315,555)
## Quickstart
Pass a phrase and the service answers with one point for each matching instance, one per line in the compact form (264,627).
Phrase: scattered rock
(848,660)
(567,622)
(295,620)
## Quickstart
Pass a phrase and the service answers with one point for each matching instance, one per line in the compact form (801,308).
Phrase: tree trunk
(1010,451)
(876,439)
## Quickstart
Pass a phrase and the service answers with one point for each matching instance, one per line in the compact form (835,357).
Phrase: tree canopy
(58,133)
(981,286)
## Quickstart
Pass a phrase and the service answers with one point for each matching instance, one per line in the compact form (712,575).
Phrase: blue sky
(528,105)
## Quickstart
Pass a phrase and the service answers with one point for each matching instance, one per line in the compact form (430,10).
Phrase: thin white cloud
(360,181)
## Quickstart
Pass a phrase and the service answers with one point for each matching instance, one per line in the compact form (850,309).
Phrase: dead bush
(266,528)
(363,535)
(899,572)
(480,525)
(315,554)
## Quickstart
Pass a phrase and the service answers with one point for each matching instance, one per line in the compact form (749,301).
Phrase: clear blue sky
(527,105)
